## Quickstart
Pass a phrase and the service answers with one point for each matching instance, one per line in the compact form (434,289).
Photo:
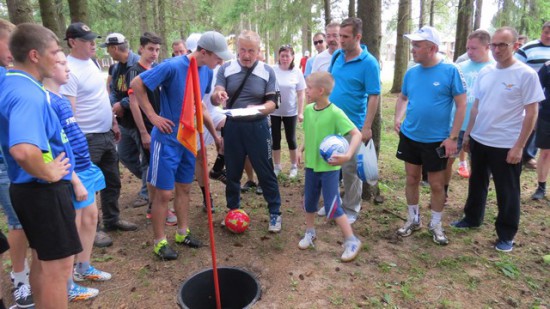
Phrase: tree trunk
(351,9)
(371,14)
(477,19)
(79,11)
(432,5)
(143,26)
(20,11)
(162,29)
(463,26)
(61,24)
(422,16)
(401,46)
(48,12)
(328,13)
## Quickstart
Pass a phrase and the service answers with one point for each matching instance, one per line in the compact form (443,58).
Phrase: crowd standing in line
(66,150)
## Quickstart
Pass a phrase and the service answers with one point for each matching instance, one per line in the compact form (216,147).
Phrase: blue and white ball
(333,144)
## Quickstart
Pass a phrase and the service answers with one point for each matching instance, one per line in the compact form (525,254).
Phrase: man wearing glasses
(504,113)
(322,60)
(319,41)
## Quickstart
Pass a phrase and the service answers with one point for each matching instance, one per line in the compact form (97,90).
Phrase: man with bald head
(504,113)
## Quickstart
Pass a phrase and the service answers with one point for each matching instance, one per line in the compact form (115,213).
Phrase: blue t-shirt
(354,80)
(309,66)
(171,76)
(77,139)
(26,117)
(2,76)
(470,70)
(431,93)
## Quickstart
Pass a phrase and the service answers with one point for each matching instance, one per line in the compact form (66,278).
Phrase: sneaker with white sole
(293,172)
(351,250)
(307,241)
(438,234)
(77,293)
(275,223)
(92,274)
(322,212)
(410,226)
(277,170)
(23,296)
(505,245)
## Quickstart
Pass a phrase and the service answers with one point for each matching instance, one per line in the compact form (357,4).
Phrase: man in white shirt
(90,100)
(504,113)
(322,60)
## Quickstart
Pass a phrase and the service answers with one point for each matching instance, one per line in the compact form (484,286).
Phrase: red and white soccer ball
(237,221)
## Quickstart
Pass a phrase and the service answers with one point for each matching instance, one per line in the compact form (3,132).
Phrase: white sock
(294,166)
(463,164)
(436,217)
(278,166)
(413,212)
(20,277)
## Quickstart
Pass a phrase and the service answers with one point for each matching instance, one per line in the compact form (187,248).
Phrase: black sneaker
(163,251)
(187,240)
(23,296)
(220,176)
(120,225)
(248,186)
(539,194)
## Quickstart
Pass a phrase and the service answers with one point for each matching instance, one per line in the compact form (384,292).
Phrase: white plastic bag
(367,163)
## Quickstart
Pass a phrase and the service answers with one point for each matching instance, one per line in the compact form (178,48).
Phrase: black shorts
(418,153)
(542,137)
(47,215)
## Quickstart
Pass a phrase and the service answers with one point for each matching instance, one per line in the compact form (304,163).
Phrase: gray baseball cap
(215,42)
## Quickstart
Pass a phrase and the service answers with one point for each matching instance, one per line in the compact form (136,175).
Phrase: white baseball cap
(425,33)
(192,40)
(113,39)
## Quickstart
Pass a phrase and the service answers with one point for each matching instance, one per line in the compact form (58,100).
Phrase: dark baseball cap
(80,31)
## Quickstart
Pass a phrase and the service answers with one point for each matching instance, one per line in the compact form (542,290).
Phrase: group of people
(76,130)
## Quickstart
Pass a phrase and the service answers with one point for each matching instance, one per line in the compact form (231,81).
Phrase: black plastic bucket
(238,289)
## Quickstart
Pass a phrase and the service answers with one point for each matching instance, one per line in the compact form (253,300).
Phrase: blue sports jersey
(26,117)
(470,70)
(431,93)
(355,80)
(77,139)
(171,75)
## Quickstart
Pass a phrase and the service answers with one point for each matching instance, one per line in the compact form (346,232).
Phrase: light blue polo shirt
(431,93)
(354,80)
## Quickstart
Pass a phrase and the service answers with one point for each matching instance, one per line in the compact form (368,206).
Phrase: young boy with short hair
(320,120)
(86,181)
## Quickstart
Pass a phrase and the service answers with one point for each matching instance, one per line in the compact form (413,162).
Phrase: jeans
(103,154)
(131,154)
(13,221)
(252,139)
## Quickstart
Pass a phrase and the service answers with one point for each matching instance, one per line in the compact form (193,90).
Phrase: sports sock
(463,164)
(413,212)
(278,166)
(82,267)
(436,217)
(219,163)
(294,165)
(351,238)
(20,277)
(182,232)
(542,185)
(310,231)
(157,241)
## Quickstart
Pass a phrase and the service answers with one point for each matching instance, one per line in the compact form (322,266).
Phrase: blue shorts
(93,181)
(170,163)
(327,183)
(13,221)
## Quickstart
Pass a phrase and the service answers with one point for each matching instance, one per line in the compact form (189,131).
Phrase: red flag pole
(200,128)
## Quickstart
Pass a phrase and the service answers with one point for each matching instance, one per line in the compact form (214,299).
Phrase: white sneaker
(275,223)
(277,170)
(322,212)
(410,226)
(438,234)
(351,250)
(307,241)
(293,172)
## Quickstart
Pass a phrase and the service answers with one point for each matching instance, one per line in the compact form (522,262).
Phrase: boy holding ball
(320,120)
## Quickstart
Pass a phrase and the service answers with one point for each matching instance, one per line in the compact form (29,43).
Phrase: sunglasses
(318,42)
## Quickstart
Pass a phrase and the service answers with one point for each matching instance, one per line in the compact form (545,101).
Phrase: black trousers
(486,161)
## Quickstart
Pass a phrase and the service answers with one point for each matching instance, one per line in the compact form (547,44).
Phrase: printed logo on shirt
(507,86)
(436,84)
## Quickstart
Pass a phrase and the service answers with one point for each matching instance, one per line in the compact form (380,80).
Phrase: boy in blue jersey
(427,95)
(171,163)
(86,181)
(322,119)
(40,162)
